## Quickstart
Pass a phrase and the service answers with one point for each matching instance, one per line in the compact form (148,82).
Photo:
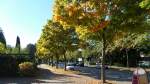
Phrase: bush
(27,69)
(8,66)
(118,64)
(92,63)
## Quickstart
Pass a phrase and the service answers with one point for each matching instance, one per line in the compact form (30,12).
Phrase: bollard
(139,76)
(135,79)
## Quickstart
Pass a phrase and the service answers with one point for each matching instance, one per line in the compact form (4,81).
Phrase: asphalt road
(111,74)
(120,76)
(86,73)
(46,76)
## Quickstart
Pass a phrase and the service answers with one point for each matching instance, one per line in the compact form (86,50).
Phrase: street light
(80,59)
(141,54)
(107,19)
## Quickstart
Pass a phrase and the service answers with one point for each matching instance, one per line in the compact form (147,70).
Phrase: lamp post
(141,55)
(107,19)
(80,59)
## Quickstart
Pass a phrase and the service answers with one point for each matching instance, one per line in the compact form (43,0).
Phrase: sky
(24,18)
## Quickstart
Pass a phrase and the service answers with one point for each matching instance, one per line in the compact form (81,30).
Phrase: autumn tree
(57,40)
(102,18)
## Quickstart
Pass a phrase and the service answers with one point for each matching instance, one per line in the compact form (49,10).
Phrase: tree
(18,47)
(31,48)
(9,49)
(90,17)
(2,37)
(145,4)
(125,48)
(2,48)
(56,40)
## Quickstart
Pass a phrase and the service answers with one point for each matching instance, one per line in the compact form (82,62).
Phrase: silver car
(99,65)
(71,66)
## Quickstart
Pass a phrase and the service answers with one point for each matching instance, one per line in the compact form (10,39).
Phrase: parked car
(80,64)
(98,65)
(71,66)
(144,64)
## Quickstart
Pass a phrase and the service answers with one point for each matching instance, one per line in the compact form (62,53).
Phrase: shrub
(118,64)
(8,66)
(92,63)
(27,69)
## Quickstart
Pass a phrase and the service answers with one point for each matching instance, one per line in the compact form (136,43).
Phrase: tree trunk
(57,61)
(48,61)
(127,57)
(52,61)
(103,58)
(65,61)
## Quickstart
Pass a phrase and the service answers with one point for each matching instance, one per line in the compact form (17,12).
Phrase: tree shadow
(111,74)
(43,76)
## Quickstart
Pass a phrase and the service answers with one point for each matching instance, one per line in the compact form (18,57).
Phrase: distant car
(144,64)
(80,64)
(98,65)
(71,66)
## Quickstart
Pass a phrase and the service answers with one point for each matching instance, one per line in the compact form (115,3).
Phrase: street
(86,75)
(121,76)
(45,76)
(111,74)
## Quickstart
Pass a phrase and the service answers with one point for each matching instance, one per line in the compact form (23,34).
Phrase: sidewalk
(121,68)
(75,77)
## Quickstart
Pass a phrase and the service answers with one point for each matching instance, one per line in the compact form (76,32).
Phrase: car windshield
(71,64)
(144,63)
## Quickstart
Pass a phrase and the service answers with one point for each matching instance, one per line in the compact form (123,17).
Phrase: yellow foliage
(82,31)
(100,26)
(57,18)
(71,10)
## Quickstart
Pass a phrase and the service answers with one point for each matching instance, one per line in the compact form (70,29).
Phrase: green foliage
(118,64)
(2,48)
(2,37)
(92,63)
(27,69)
(127,20)
(31,49)
(15,51)
(125,27)
(145,4)
(8,65)
(9,49)
(144,45)
(55,39)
